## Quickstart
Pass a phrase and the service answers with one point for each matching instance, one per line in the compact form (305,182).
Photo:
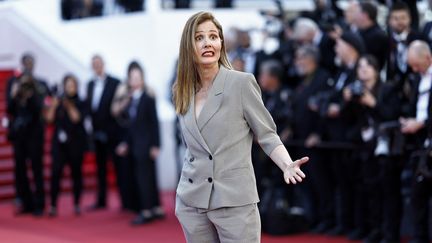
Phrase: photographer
(362,113)
(26,131)
(66,113)
(306,128)
(348,49)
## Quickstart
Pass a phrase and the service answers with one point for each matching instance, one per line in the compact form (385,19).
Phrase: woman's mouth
(207,54)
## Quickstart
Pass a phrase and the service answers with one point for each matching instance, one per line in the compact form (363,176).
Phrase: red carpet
(106,226)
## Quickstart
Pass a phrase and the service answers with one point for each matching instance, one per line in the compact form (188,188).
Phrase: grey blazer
(217,169)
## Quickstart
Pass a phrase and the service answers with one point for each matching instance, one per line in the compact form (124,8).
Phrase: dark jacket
(376,43)
(103,122)
(71,135)
(307,121)
(394,73)
(143,129)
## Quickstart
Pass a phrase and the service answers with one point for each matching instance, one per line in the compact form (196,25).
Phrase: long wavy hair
(188,81)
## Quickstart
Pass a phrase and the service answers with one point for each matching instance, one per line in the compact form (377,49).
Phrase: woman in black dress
(68,143)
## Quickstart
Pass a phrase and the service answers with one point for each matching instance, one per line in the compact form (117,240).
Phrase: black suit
(327,53)
(427,33)
(142,135)
(106,135)
(421,188)
(334,129)
(394,72)
(26,131)
(319,189)
(376,43)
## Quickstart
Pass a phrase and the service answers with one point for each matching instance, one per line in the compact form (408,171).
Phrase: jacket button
(190,180)
(209,180)
(210,157)
(191,159)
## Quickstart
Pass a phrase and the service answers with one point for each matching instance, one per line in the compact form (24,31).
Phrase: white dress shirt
(99,85)
(423,95)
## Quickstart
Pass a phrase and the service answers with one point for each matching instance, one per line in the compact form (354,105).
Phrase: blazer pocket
(236,172)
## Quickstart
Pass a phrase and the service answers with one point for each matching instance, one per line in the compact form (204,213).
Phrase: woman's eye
(213,37)
(198,38)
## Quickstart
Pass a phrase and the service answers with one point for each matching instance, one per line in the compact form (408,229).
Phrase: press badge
(62,136)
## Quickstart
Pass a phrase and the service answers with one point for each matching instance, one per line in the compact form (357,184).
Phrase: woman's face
(70,87)
(135,79)
(208,44)
(365,71)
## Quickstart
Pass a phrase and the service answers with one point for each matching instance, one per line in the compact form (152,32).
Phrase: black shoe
(321,228)
(357,234)
(373,237)
(77,210)
(23,211)
(336,231)
(97,206)
(140,219)
(38,213)
(52,212)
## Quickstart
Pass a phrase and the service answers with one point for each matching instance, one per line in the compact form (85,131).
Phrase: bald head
(419,56)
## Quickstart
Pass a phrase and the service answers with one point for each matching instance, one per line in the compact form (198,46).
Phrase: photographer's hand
(347,94)
(368,99)
(333,110)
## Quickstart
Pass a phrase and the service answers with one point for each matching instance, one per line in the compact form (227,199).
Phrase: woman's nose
(207,42)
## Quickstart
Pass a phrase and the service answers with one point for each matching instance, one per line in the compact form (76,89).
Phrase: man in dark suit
(416,126)
(374,38)
(306,128)
(106,132)
(400,36)
(306,31)
(25,101)
(349,48)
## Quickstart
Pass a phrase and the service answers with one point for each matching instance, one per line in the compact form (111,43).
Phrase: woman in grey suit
(220,111)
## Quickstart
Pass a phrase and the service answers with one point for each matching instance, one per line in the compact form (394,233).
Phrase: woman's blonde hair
(188,80)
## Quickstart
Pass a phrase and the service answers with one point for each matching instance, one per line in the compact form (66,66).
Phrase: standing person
(141,143)
(220,110)
(348,49)
(415,125)
(400,36)
(26,132)
(27,66)
(66,113)
(375,39)
(362,112)
(100,93)
(318,190)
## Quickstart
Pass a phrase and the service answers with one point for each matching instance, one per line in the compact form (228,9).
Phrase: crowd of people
(353,95)
(124,130)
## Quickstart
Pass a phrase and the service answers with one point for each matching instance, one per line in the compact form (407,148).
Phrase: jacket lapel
(191,125)
(212,104)
(214,99)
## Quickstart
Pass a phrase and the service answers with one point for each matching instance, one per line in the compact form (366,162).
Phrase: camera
(357,89)
(321,102)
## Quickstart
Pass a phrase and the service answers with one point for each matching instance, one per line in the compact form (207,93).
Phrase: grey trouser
(225,225)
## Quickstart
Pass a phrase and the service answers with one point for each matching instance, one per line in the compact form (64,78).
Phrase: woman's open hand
(293,173)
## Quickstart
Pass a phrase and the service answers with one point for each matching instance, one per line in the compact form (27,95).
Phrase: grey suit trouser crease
(223,225)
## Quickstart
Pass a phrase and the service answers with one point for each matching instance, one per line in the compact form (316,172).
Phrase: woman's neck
(370,84)
(207,75)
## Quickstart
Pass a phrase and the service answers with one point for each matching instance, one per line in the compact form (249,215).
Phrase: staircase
(7,190)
